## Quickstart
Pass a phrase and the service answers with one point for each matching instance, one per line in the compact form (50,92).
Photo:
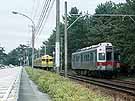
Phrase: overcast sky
(15,29)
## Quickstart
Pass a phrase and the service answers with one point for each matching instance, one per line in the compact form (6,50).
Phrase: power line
(46,17)
(43,15)
(33,6)
(36,8)
(45,3)
(43,9)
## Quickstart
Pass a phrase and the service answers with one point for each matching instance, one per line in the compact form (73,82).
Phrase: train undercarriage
(98,73)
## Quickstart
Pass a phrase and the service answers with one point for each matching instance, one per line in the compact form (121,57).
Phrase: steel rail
(110,85)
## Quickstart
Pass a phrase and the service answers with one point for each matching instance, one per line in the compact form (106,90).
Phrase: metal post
(39,53)
(28,53)
(33,42)
(45,49)
(26,59)
(57,48)
(65,38)
(61,54)
(33,34)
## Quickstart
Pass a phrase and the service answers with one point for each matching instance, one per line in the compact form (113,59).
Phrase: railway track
(117,85)
(125,82)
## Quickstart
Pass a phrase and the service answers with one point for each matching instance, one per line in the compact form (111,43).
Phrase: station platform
(28,90)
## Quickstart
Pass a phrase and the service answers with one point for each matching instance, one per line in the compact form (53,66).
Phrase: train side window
(78,58)
(88,57)
(75,58)
(81,58)
(91,56)
(85,57)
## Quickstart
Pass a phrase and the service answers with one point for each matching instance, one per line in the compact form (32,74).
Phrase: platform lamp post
(33,34)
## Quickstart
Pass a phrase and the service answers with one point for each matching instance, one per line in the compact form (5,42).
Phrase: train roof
(47,57)
(95,46)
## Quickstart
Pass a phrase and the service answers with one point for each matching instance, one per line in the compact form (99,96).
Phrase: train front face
(108,58)
(47,61)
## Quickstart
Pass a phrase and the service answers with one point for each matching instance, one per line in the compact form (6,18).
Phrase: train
(45,62)
(99,60)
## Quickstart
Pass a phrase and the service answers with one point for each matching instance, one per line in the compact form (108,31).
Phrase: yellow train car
(44,62)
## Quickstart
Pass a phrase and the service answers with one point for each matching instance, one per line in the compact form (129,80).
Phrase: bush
(62,89)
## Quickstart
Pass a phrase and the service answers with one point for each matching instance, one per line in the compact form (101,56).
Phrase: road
(9,83)
(15,85)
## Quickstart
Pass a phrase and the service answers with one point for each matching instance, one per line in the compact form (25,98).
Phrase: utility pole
(57,48)
(39,52)
(28,53)
(33,42)
(25,56)
(45,49)
(65,38)
(61,53)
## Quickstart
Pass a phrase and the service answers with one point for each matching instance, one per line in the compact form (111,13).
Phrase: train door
(91,60)
(78,61)
(94,59)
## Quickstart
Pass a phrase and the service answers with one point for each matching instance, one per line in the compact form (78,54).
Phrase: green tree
(91,30)
(18,56)
(3,56)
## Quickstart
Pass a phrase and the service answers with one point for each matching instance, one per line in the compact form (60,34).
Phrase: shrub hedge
(62,89)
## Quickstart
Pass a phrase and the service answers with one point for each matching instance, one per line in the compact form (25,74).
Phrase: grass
(62,89)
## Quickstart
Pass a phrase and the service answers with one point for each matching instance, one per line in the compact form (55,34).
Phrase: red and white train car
(99,59)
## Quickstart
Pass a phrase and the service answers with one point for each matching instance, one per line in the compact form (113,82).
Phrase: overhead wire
(45,5)
(36,9)
(33,7)
(46,9)
(43,15)
(42,12)
(46,18)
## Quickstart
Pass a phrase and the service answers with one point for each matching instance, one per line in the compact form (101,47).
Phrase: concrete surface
(28,90)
